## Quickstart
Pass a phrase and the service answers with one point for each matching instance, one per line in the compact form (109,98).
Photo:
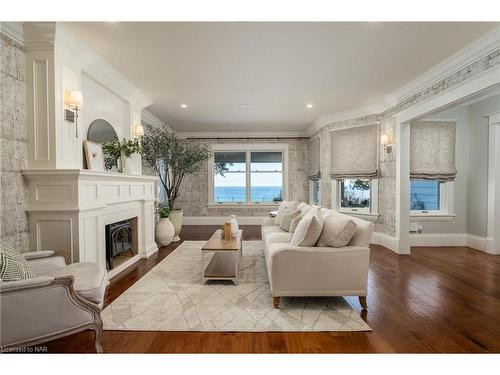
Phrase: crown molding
(13,30)
(343,116)
(152,120)
(298,134)
(476,50)
(75,53)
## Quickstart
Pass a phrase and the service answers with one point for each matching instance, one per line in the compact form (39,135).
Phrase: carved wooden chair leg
(276,302)
(97,339)
(362,301)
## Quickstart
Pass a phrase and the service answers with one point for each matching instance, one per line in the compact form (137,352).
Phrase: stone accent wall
(13,146)
(194,196)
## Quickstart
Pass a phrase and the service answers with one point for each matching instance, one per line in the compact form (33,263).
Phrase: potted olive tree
(172,160)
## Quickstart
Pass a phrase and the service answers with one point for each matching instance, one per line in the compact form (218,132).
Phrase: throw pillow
(307,232)
(337,231)
(284,207)
(286,221)
(295,221)
(13,266)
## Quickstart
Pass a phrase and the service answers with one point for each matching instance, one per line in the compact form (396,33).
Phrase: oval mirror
(101,131)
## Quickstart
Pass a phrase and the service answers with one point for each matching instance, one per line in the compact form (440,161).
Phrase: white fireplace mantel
(69,208)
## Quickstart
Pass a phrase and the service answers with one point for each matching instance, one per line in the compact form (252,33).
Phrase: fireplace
(121,241)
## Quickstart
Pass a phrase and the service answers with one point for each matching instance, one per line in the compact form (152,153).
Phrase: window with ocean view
(248,177)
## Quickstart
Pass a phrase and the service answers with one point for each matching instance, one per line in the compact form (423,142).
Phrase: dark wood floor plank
(442,299)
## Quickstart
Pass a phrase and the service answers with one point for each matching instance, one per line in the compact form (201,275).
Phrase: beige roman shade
(432,150)
(354,152)
(313,172)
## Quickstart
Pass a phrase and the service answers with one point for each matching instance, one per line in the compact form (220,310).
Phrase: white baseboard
(448,239)
(438,239)
(490,247)
(476,242)
(216,220)
(382,239)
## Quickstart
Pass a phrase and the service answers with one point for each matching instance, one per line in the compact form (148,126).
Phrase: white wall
(102,103)
(477,195)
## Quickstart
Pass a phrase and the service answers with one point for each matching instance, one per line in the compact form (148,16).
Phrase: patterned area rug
(170,297)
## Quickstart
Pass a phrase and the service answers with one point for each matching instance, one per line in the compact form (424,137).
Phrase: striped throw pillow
(13,266)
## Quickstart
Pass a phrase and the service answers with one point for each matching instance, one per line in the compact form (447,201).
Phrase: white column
(403,186)
(493,223)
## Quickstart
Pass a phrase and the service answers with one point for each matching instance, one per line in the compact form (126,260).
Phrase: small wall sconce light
(385,139)
(139,131)
(74,100)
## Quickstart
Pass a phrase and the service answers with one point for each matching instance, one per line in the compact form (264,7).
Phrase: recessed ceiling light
(246,106)
(309,106)
(184,105)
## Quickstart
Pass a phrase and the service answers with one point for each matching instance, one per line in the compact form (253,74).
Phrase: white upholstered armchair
(61,300)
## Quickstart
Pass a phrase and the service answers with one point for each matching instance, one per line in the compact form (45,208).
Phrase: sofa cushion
(295,221)
(278,237)
(337,231)
(285,206)
(13,266)
(307,232)
(364,229)
(91,279)
(286,221)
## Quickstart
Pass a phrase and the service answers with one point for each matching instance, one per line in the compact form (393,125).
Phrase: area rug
(171,297)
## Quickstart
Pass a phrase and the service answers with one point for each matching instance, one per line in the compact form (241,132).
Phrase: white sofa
(296,271)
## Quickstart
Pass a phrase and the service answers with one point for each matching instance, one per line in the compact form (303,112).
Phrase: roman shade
(432,150)
(354,152)
(313,172)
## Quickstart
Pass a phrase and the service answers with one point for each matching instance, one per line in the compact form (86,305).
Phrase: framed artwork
(94,156)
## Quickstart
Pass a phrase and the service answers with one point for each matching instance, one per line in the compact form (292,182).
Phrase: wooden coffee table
(225,262)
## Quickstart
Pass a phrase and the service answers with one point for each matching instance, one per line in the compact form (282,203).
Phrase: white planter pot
(175,217)
(164,232)
(126,165)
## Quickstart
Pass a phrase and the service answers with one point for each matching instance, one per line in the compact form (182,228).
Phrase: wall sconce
(73,99)
(386,141)
(139,131)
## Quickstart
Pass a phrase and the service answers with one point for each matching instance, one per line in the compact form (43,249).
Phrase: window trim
(311,192)
(371,213)
(248,148)
(446,207)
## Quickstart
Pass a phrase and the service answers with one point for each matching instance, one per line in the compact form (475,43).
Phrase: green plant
(162,209)
(112,153)
(172,159)
(130,146)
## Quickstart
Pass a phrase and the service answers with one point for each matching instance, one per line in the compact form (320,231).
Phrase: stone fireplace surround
(69,209)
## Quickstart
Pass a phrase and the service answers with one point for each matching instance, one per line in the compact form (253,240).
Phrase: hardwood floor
(441,299)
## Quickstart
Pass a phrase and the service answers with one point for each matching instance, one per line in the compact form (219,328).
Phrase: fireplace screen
(118,240)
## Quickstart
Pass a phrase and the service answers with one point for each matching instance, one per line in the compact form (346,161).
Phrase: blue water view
(257,194)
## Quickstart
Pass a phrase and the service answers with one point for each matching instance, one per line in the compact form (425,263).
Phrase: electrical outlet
(414,227)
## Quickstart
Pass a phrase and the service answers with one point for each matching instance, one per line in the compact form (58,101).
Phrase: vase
(126,164)
(164,231)
(176,219)
(234,226)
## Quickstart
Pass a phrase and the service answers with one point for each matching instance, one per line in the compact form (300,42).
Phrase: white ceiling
(277,68)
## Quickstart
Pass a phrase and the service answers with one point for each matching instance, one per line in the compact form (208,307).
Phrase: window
(314,196)
(253,176)
(266,179)
(356,196)
(230,177)
(425,195)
